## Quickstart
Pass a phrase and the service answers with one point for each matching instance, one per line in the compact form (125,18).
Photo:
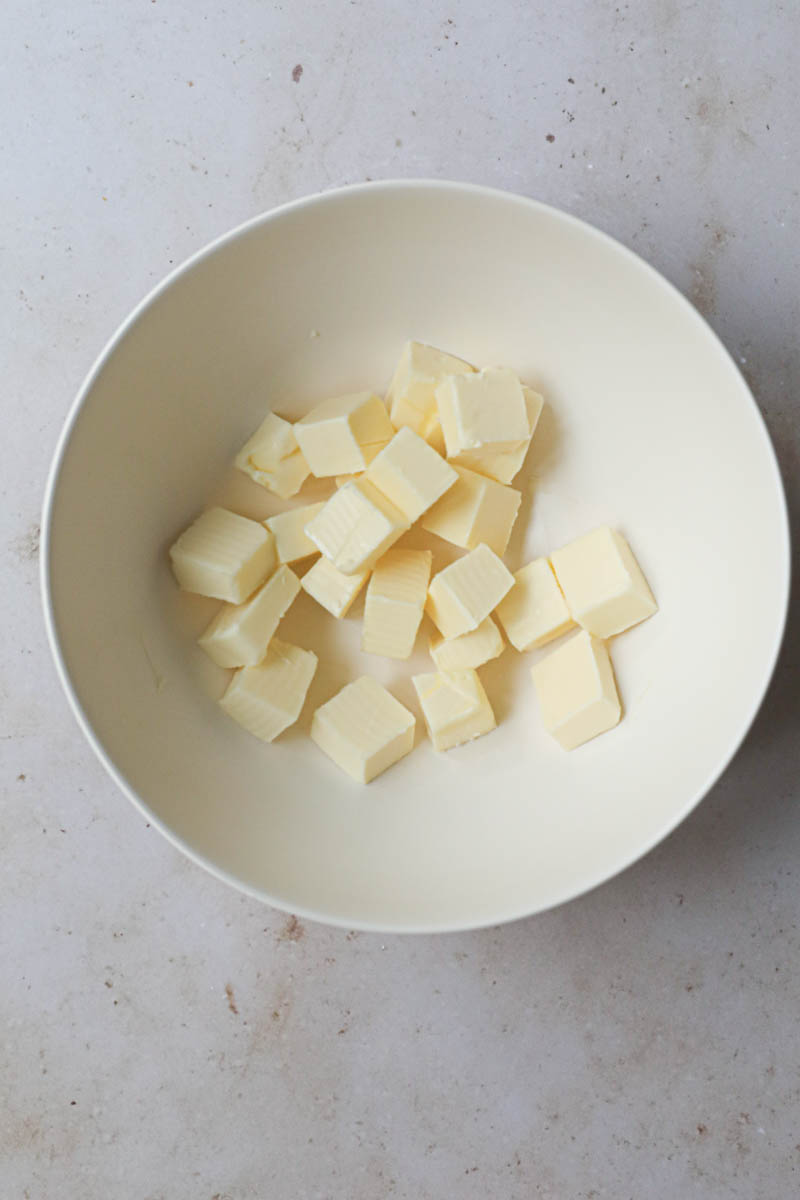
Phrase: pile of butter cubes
(441,450)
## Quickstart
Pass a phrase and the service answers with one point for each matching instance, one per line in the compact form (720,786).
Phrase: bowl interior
(648,427)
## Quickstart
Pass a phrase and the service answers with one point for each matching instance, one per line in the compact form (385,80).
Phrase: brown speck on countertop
(297,73)
(551,137)
(293,930)
(701,1129)
(21,779)
(231,1000)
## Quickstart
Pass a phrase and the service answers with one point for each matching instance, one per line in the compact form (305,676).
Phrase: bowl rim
(60,452)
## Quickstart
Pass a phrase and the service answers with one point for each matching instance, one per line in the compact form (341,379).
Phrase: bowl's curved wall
(650,427)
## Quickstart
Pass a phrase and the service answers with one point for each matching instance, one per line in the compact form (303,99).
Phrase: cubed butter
(602,583)
(455,707)
(343,435)
(356,526)
(330,588)
(272,458)
(577,691)
(268,698)
(412,392)
(474,510)
(411,474)
(363,729)
(341,480)
(483,411)
(289,531)
(395,602)
(504,466)
(240,633)
(463,594)
(223,555)
(471,649)
(534,611)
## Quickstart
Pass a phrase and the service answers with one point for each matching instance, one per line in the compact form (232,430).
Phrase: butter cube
(240,633)
(356,526)
(268,698)
(455,707)
(475,510)
(602,583)
(343,435)
(223,555)
(330,588)
(272,458)
(504,466)
(395,602)
(289,531)
(471,649)
(577,692)
(410,473)
(364,729)
(463,594)
(412,392)
(534,611)
(483,411)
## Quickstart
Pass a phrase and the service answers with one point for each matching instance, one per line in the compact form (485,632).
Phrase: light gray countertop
(164,1037)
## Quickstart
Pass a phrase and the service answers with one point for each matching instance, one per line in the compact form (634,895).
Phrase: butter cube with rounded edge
(342,436)
(504,466)
(223,555)
(463,594)
(239,634)
(272,458)
(602,583)
(455,707)
(356,526)
(410,473)
(577,691)
(268,698)
(484,411)
(475,510)
(534,611)
(364,729)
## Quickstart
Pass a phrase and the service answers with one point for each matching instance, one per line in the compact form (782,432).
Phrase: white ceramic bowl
(649,427)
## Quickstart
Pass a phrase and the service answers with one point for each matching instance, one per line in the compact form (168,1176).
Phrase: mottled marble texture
(164,1038)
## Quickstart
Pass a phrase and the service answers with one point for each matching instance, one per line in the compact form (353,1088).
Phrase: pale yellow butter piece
(223,555)
(602,583)
(471,649)
(577,691)
(330,588)
(272,458)
(483,411)
(364,729)
(268,698)
(240,633)
(289,531)
(474,510)
(411,395)
(504,466)
(463,594)
(356,526)
(395,602)
(342,436)
(455,707)
(534,611)
(410,473)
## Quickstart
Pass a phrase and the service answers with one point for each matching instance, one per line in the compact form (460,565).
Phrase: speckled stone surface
(164,1038)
